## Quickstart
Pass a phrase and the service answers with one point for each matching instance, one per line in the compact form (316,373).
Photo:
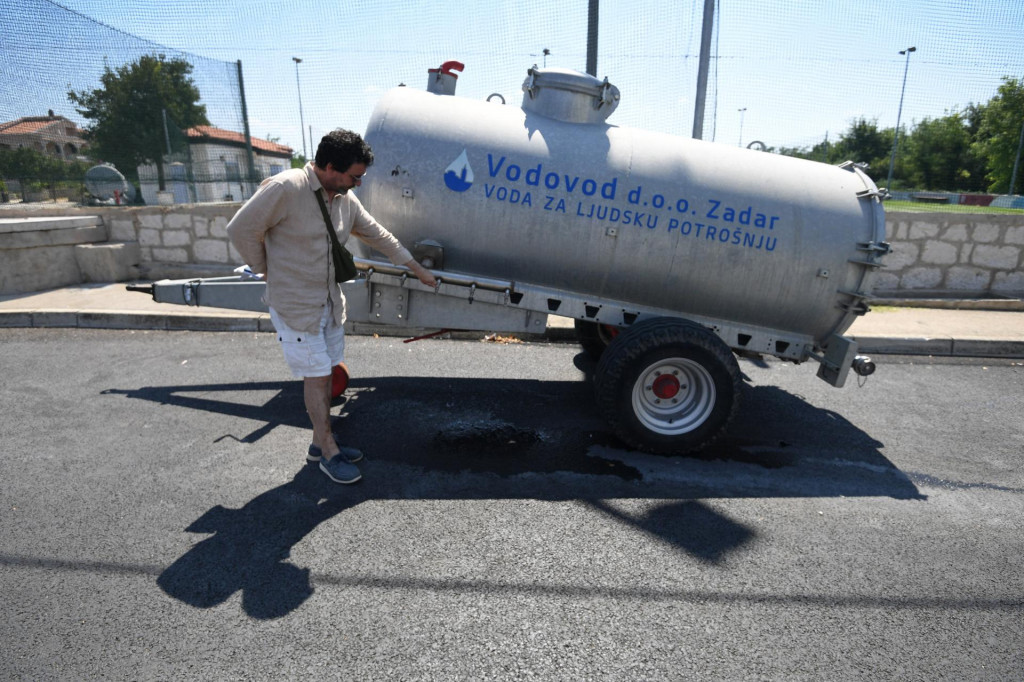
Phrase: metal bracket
(838,359)
(872,193)
(528,86)
(389,304)
(190,292)
(606,94)
(881,248)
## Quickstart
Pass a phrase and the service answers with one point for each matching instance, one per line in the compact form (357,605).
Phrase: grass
(917,207)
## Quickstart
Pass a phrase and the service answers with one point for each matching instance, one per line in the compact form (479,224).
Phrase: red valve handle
(448,67)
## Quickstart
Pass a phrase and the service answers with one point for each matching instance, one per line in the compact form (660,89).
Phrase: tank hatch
(569,95)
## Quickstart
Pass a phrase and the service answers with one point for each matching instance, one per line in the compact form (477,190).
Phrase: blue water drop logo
(459,176)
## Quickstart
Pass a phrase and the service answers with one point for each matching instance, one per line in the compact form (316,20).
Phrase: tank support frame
(389,295)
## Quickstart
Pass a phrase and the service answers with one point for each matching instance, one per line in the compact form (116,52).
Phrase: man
(281,233)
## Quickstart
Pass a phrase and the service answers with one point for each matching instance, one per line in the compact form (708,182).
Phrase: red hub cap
(666,386)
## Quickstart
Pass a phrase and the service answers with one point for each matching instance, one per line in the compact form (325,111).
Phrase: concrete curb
(560,332)
(950,347)
(100,319)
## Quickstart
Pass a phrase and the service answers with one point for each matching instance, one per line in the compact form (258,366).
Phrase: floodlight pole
(899,114)
(302,122)
(742,111)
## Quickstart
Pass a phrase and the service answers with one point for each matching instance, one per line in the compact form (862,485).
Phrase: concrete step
(38,253)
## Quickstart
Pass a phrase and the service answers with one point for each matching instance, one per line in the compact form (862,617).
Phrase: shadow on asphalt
(249,548)
(443,438)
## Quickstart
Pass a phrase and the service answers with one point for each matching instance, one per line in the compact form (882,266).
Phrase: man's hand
(422,274)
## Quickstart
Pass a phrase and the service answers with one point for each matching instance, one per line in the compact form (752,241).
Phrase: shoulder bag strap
(344,266)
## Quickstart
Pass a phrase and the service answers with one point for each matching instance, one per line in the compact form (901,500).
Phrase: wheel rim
(674,396)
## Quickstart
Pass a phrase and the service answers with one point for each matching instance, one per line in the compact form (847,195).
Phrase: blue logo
(459,176)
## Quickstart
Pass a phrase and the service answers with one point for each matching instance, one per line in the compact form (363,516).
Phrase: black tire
(668,386)
(594,338)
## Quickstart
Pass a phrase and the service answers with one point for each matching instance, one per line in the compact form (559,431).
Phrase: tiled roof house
(211,135)
(52,135)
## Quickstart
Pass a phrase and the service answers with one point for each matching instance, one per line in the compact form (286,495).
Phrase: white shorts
(311,355)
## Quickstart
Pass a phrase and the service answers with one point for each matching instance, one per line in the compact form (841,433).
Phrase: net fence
(49,51)
(785,75)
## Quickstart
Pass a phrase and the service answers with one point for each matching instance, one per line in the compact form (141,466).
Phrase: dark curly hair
(342,148)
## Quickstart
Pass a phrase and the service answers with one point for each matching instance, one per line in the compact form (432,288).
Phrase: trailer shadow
(517,433)
(443,438)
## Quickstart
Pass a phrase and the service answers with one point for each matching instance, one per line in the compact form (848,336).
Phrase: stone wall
(174,238)
(176,241)
(953,254)
(934,254)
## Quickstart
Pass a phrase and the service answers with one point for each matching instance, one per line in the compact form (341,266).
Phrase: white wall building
(215,168)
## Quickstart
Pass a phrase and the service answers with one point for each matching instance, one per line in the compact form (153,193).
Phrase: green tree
(865,143)
(972,116)
(998,136)
(32,168)
(939,156)
(128,111)
(815,153)
(22,164)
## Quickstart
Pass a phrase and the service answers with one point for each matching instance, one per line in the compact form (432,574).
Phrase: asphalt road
(158,521)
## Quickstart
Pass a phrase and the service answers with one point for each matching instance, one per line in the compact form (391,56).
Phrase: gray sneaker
(340,471)
(351,455)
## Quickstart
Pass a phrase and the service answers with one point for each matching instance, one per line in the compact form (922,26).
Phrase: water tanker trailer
(673,255)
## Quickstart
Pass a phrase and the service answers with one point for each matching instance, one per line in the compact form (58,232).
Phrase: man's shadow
(249,548)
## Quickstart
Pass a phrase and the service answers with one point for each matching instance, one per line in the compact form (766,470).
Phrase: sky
(784,72)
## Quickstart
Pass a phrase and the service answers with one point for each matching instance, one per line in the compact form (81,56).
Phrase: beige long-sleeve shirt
(280,232)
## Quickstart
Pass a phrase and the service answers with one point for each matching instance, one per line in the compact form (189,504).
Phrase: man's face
(341,182)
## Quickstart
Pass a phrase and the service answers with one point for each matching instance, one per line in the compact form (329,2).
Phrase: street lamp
(742,111)
(899,114)
(302,123)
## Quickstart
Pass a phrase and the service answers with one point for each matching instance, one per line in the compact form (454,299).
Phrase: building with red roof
(51,135)
(215,167)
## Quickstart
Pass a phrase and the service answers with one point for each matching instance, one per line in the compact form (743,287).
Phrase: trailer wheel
(668,386)
(594,337)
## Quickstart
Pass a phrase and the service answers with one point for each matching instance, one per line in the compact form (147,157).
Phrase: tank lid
(569,95)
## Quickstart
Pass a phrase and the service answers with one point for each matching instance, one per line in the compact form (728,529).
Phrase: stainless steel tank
(551,194)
